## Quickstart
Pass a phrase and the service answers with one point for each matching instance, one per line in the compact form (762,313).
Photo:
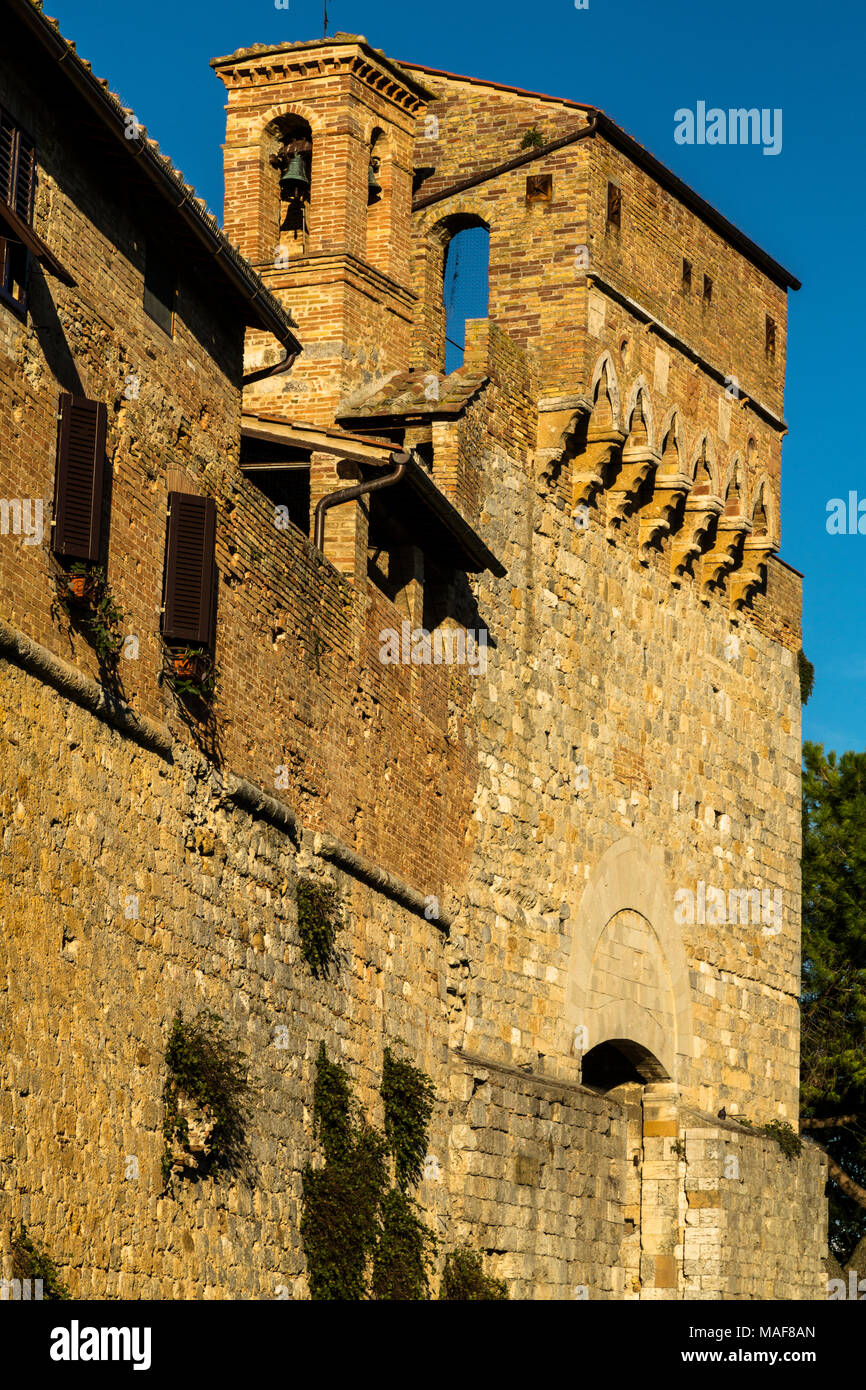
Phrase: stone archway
(628,975)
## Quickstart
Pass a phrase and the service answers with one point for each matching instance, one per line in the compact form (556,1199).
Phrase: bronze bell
(295,179)
(374,188)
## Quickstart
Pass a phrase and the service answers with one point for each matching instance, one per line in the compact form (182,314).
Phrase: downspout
(349,494)
(283,366)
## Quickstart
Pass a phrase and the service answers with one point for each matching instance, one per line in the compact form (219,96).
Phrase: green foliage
(464,1278)
(340,1221)
(785,1136)
(404,1254)
(532,139)
(833,1036)
(806,672)
(28,1262)
(98,614)
(408,1097)
(332,1107)
(364,1237)
(317,925)
(200,682)
(206,1072)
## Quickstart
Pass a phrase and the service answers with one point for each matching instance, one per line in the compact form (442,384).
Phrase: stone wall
(135,886)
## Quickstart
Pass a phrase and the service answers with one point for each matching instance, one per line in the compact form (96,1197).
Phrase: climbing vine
(362,1229)
(464,1278)
(317,925)
(408,1097)
(206,1087)
(29,1262)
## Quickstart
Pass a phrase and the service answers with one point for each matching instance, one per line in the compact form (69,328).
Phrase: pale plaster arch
(703,446)
(735,476)
(672,425)
(640,389)
(605,367)
(764,488)
(628,877)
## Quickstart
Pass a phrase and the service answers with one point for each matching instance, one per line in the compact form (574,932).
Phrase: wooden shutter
(17,168)
(78,480)
(7,158)
(25,177)
(189,606)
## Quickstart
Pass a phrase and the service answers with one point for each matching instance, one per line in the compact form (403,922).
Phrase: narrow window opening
(374,187)
(770,336)
(614,205)
(14,265)
(466,288)
(283,477)
(687,276)
(708,290)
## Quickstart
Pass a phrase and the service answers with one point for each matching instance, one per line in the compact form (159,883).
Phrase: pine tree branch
(851,1188)
(836,1123)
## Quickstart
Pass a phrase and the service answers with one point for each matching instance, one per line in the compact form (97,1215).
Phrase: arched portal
(619,1061)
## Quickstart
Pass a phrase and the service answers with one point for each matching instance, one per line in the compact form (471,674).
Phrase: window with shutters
(76,529)
(17,167)
(160,287)
(189,583)
(17,190)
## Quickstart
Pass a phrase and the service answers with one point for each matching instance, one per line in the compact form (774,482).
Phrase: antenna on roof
(326,19)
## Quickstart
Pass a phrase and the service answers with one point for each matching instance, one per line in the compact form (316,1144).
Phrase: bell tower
(318,196)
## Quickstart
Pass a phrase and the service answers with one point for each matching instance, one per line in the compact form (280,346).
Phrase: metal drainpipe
(349,494)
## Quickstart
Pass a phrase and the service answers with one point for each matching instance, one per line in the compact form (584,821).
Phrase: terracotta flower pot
(190,666)
(80,588)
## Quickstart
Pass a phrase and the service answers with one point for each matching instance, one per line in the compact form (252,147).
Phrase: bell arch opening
(620,1061)
(288,146)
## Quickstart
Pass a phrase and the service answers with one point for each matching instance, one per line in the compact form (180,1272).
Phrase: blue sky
(640,62)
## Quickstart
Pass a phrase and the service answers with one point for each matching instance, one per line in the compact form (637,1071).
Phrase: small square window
(687,276)
(539,188)
(708,290)
(160,288)
(614,205)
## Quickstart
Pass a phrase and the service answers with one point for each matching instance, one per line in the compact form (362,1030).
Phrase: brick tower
(336,251)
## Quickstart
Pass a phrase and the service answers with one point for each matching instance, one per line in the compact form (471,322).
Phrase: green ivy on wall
(363,1233)
(464,1278)
(362,1227)
(29,1262)
(317,925)
(205,1076)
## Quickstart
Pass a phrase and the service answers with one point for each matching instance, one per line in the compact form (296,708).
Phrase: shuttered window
(17,167)
(78,480)
(189,596)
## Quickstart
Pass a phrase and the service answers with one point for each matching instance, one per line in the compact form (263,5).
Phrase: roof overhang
(422,508)
(140,157)
(427,513)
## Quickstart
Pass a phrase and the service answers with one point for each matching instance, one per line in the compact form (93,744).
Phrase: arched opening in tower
(466,288)
(617,1062)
